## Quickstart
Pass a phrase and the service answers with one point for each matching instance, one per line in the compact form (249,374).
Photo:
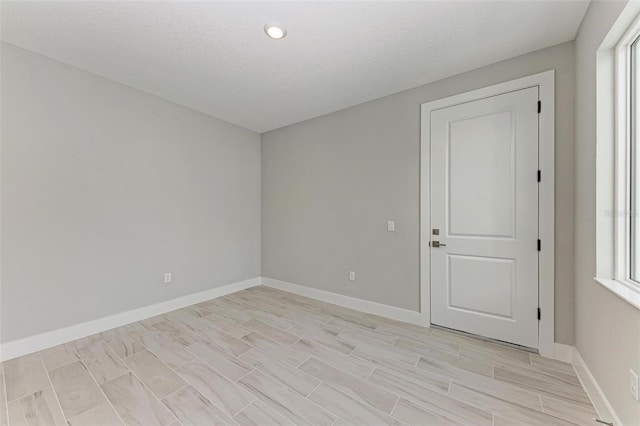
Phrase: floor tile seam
(105,394)
(375,409)
(147,388)
(414,399)
(322,409)
(246,406)
(217,370)
(474,389)
(531,374)
(337,417)
(188,384)
(548,394)
(53,389)
(176,391)
(366,381)
(395,404)
(30,393)
(541,403)
(68,420)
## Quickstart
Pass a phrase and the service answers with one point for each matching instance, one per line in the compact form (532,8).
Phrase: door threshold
(485,339)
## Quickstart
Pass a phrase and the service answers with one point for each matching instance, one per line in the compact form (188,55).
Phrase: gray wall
(105,188)
(330,184)
(607,328)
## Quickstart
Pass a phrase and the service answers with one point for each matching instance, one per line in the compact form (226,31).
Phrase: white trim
(546,155)
(51,338)
(594,391)
(366,306)
(563,352)
(626,291)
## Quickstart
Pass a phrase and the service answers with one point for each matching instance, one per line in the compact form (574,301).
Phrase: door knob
(437,244)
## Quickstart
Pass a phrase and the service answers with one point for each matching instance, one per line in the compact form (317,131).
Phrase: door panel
(481,176)
(495,298)
(484,203)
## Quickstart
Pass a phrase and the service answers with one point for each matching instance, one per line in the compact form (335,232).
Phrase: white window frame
(614,260)
(622,218)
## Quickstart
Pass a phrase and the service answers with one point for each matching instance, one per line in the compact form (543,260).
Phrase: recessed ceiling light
(275,31)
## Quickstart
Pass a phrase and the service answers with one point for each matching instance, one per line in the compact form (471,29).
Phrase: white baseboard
(366,306)
(563,352)
(568,353)
(596,395)
(48,339)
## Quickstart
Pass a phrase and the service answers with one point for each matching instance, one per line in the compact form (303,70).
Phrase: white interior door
(484,209)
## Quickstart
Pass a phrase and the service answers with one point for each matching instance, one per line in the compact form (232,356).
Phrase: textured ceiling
(214,56)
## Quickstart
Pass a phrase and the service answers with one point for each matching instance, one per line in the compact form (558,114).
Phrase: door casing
(546,208)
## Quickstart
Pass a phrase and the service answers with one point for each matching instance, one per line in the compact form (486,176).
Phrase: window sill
(623,290)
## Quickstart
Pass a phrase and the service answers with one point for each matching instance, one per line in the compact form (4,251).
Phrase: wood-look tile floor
(267,357)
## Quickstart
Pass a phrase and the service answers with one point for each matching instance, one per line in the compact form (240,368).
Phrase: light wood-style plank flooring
(267,357)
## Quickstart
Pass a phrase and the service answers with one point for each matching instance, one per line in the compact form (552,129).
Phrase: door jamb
(546,207)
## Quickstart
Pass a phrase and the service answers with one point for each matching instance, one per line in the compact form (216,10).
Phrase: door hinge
(539,176)
(539,245)
(539,314)
(539,107)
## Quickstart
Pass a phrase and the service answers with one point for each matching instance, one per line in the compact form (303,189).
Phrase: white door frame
(546,208)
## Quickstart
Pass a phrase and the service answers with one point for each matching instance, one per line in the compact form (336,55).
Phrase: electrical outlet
(167,278)
(633,384)
(391,226)
(352,276)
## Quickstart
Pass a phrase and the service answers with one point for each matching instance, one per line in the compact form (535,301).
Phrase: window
(628,181)
(618,158)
